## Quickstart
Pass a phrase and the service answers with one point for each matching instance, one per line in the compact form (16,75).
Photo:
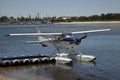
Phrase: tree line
(102,17)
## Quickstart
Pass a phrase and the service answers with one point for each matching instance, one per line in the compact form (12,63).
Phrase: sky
(45,8)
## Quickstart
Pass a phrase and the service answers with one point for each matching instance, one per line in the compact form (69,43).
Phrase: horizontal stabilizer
(32,42)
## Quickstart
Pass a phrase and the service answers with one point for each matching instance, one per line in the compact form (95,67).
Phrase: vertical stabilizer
(40,38)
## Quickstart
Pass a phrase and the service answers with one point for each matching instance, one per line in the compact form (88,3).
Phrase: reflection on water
(64,66)
(89,64)
(43,71)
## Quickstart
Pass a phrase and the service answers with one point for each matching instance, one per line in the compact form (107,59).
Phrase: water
(104,45)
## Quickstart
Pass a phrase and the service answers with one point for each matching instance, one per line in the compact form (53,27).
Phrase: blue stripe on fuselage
(70,39)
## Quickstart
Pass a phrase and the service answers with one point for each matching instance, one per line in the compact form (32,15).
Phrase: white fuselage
(59,44)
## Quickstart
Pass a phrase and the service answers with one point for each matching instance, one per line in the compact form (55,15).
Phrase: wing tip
(108,29)
(7,35)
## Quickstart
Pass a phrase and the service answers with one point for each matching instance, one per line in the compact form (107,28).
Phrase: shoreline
(85,22)
(89,22)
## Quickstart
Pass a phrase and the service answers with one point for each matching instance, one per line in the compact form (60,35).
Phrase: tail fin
(40,38)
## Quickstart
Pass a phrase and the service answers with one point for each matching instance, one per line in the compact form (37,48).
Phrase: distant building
(65,17)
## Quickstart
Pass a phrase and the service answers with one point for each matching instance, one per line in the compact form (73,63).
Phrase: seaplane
(61,41)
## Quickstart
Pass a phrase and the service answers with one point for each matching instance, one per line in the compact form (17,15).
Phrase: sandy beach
(89,22)
(3,77)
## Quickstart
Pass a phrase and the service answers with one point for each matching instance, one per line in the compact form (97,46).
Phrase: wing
(90,31)
(35,34)
(58,34)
